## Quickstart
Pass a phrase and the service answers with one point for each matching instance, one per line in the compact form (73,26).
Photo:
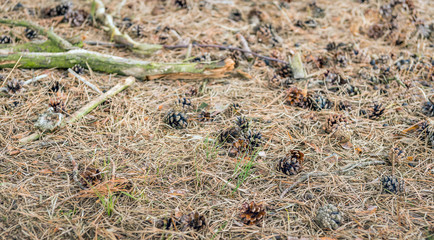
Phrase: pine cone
(238,146)
(14,86)
(319,102)
(243,124)
(58,10)
(392,185)
(344,106)
(252,213)
(184,103)
(180,4)
(5,40)
(428,108)
(426,132)
(291,164)
(176,120)
(191,92)
(376,111)
(205,116)
(194,220)
(334,122)
(55,87)
(90,177)
(329,217)
(254,139)
(76,18)
(57,105)
(284,71)
(229,135)
(275,81)
(78,69)
(30,33)
(236,15)
(397,154)
(296,98)
(264,33)
(353,90)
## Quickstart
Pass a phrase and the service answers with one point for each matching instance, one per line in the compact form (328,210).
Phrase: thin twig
(95,88)
(322,174)
(15,66)
(245,45)
(37,78)
(222,47)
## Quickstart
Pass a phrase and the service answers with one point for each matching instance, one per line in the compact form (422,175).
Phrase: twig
(87,108)
(15,66)
(37,78)
(118,37)
(95,88)
(322,174)
(222,47)
(48,33)
(123,66)
(245,45)
(75,171)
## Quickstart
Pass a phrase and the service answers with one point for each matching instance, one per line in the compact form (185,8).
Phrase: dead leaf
(347,145)
(46,171)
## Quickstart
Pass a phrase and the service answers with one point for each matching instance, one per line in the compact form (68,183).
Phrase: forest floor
(368,63)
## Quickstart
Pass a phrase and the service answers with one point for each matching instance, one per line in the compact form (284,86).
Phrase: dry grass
(182,170)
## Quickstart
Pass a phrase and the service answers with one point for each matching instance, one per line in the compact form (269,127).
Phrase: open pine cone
(252,213)
(90,177)
(334,122)
(329,217)
(291,164)
(297,98)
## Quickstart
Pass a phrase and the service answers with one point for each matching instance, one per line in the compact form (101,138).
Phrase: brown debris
(252,213)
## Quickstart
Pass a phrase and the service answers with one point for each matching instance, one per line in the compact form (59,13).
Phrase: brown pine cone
(291,164)
(297,98)
(90,177)
(252,213)
(229,135)
(57,104)
(334,122)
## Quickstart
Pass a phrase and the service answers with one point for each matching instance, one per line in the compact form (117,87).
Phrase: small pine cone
(353,90)
(14,86)
(252,213)
(334,78)
(76,18)
(264,33)
(229,135)
(192,92)
(397,154)
(392,185)
(78,69)
(428,108)
(344,106)
(319,102)
(236,15)
(138,30)
(5,40)
(291,164)
(181,4)
(238,146)
(205,116)
(176,120)
(55,87)
(194,220)
(30,33)
(63,8)
(234,108)
(376,111)
(296,98)
(57,104)
(254,139)
(275,81)
(184,103)
(329,217)
(284,71)
(334,122)
(90,177)
(376,31)
(243,124)
(426,132)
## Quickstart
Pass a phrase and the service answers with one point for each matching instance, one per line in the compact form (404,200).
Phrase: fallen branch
(60,42)
(83,80)
(123,66)
(86,109)
(322,174)
(122,38)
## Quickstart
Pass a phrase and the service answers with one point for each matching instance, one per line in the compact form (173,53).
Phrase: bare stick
(95,88)
(322,174)
(245,45)
(48,33)
(123,38)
